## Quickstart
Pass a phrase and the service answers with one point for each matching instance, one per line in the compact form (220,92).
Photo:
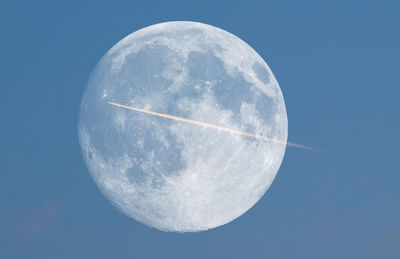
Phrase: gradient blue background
(337,63)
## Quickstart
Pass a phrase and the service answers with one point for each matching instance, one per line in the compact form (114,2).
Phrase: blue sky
(337,65)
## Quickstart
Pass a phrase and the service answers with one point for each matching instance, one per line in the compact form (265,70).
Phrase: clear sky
(337,63)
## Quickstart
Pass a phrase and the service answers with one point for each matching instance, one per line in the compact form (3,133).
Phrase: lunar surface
(172,175)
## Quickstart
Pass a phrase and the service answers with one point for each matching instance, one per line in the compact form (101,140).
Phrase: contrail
(208,125)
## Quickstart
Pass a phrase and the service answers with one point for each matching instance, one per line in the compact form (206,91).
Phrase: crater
(90,155)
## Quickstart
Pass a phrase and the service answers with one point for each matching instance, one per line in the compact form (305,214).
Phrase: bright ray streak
(208,125)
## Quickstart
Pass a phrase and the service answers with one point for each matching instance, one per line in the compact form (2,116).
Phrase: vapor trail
(208,125)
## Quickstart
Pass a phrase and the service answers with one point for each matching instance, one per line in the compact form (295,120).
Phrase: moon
(172,175)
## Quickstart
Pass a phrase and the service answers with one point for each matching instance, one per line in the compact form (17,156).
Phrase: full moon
(172,175)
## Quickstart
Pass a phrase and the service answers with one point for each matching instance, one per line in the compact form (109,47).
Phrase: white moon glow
(172,175)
